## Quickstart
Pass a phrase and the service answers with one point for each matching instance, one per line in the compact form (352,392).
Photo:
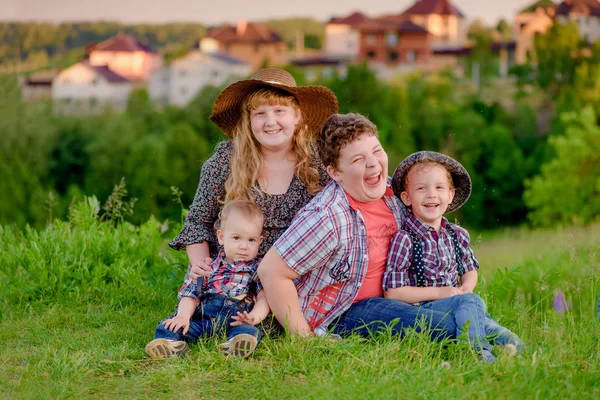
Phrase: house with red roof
(84,88)
(251,42)
(342,38)
(126,56)
(393,41)
(443,20)
(530,22)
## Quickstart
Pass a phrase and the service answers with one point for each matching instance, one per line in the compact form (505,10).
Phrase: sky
(214,12)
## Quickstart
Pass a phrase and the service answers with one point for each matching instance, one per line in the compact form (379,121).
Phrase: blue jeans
(499,335)
(377,314)
(464,308)
(212,316)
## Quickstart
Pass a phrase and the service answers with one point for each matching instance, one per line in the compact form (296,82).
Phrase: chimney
(241,28)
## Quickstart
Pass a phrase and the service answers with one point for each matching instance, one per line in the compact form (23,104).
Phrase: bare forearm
(278,283)
(261,308)
(197,252)
(469,281)
(411,294)
(187,307)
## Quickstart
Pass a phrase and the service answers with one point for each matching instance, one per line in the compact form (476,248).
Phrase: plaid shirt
(327,246)
(228,279)
(439,258)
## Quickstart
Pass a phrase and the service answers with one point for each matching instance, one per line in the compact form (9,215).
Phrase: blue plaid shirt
(228,279)
(327,245)
(439,258)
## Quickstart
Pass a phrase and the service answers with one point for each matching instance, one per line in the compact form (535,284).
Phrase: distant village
(430,36)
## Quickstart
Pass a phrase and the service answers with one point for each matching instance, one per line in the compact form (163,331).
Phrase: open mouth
(431,205)
(373,180)
(272,131)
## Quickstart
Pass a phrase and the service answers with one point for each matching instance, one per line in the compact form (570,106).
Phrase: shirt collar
(421,228)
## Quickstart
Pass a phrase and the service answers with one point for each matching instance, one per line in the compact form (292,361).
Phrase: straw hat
(316,103)
(460,176)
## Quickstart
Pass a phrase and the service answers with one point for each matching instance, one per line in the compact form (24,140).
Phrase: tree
(568,188)
(558,54)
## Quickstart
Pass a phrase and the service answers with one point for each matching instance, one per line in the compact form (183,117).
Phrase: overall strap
(417,257)
(417,254)
(458,252)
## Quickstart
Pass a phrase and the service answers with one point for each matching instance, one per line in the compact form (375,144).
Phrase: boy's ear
(405,199)
(334,173)
(220,236)
(452,192)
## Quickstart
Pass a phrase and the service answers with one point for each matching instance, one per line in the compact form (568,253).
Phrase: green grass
(82,298)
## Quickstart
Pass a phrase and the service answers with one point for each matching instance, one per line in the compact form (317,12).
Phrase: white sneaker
(160,349)
(241,345)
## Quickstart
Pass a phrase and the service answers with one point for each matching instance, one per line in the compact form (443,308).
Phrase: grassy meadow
(82,298)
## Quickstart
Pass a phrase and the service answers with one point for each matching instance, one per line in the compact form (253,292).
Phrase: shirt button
(365,256)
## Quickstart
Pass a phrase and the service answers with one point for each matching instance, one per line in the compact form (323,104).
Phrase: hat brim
(316,104)
(460,176)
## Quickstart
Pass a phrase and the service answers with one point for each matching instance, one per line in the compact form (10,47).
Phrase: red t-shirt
(381,226)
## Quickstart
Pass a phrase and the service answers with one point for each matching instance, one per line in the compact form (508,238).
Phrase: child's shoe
(160,349)
(241,345)
(486,355)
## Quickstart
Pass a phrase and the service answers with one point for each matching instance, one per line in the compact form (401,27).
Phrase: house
(88,89)
(251,42)
(393,42)
(37,86)
(533,20)
(342,38)
(585,13)
(179,83)
(446,23)
(127,57)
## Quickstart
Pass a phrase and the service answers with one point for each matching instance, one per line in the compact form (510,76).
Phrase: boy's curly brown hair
(338,131)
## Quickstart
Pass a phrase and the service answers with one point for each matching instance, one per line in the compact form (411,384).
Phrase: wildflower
(510,349)
(445,365)
(560,304)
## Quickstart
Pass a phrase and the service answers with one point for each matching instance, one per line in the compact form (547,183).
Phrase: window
(391,39)
(411,57)
(215,74)
(393,56)
(94,81)
(371,39)
(370,54)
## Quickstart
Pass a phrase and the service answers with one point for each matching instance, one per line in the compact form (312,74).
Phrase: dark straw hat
(316,103)
(460,176)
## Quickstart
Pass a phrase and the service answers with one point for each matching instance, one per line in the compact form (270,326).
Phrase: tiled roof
(353,19)
(540,3)
(586,7)
(251,32)
(227,59)
(110,75)
(391,24)
(441,7)
(123,42)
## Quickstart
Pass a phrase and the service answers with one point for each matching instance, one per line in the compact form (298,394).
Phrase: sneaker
(486,355)
(241,345)
(160,349)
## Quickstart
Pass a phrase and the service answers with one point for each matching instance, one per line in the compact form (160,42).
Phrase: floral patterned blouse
(278,209)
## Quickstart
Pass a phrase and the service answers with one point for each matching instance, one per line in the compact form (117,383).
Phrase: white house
(585,13)
(84,88)
(178,84)
(342,39)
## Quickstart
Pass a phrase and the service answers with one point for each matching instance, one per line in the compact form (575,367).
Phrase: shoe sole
(160,349)
(239,346)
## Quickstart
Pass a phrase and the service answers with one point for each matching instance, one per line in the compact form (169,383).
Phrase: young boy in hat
(430,263)
(227,302)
